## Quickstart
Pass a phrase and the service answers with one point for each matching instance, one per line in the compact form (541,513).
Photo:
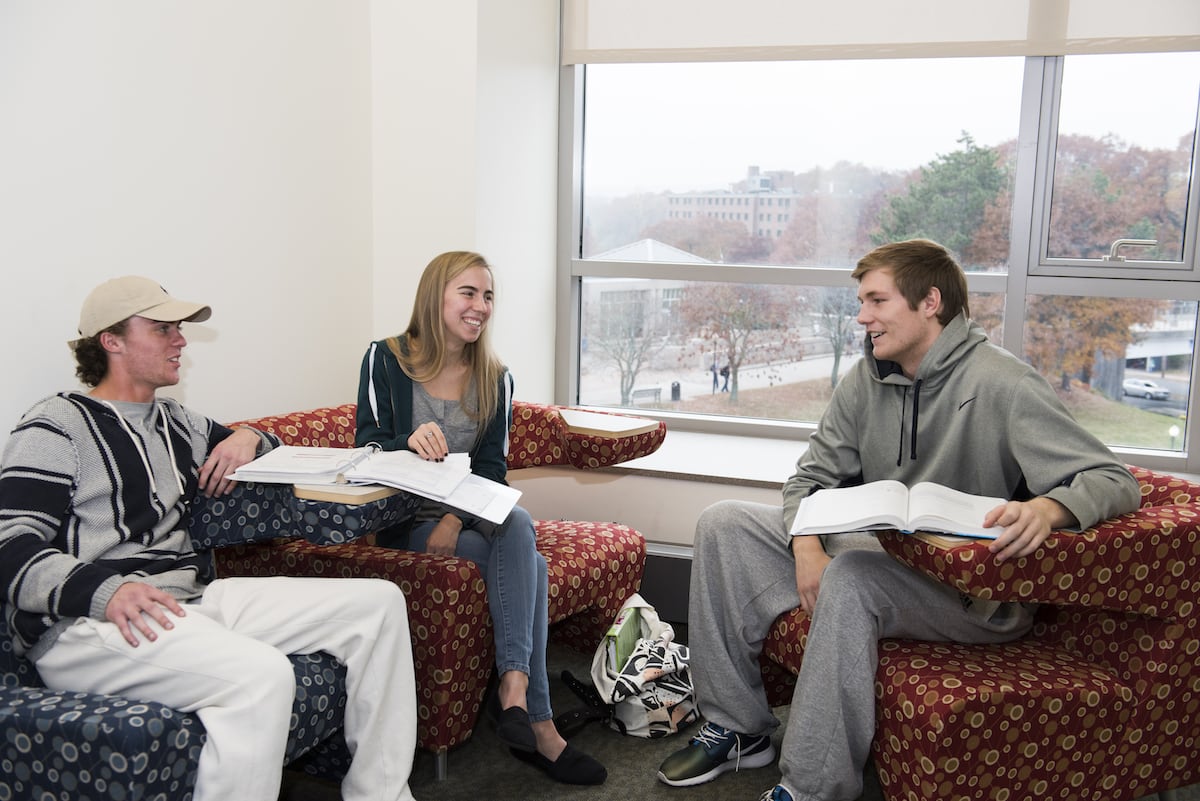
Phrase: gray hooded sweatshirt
(974,418)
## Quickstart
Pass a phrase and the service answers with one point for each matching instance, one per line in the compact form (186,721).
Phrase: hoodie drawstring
(137,443)
(912,448)
(912,443)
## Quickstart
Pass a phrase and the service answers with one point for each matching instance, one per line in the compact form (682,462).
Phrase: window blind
(613,31)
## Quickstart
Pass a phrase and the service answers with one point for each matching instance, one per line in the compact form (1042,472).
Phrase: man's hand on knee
(131,603)
(811,561)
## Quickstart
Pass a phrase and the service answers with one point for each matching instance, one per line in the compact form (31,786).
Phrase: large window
(800,163)
(732,199)
(1123,159)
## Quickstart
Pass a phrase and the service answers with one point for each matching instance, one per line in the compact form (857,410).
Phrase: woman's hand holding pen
(428,442)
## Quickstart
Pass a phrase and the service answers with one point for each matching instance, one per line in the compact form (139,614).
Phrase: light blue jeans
(516,578)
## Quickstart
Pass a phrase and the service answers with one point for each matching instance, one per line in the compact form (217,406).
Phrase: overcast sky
(653,127)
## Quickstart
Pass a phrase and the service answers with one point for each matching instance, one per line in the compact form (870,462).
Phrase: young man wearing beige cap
(102,588)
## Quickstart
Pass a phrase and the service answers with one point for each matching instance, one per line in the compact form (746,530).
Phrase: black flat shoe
(571,767)
(514,730)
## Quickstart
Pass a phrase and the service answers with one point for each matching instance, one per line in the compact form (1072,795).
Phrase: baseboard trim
(674,551)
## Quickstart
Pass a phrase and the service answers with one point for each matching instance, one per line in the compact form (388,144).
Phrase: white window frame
(1030,271)
(1041,263)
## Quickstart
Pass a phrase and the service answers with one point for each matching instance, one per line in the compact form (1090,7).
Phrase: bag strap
(571,722)
(586,692)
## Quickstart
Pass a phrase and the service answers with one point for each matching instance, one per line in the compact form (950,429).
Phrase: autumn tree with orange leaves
(746,323)
(1097,193)
(1066,336)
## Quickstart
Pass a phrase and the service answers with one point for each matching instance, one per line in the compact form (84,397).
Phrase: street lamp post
(1174,432)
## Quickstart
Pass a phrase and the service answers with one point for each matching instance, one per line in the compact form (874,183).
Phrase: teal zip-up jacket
(975,418)
(385,405)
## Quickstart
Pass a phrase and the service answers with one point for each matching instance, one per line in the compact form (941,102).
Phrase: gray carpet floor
(482,769)
(489,771)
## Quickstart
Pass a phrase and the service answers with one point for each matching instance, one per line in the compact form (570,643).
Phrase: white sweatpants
(225,660)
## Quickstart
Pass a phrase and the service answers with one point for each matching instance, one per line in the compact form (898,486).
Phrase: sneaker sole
(760,759)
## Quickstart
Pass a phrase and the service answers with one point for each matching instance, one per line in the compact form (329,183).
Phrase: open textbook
(889,504)
(450,481)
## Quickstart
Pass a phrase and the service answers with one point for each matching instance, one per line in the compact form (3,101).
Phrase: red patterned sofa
(1100,701)
(593,567)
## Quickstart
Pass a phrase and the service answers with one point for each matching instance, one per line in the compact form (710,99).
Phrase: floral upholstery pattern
(1100,701)
(448,617)
(593,567)
(327,427)
(539,436)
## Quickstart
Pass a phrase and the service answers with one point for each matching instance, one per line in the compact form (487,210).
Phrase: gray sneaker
(713,751)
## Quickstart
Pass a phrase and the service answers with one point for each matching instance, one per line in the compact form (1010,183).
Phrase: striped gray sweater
(90,499)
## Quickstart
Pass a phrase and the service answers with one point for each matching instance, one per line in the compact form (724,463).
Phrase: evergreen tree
(947,200)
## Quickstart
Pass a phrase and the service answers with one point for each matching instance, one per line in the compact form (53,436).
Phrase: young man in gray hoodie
(933,400)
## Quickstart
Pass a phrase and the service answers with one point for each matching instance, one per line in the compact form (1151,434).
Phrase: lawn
(1115,423)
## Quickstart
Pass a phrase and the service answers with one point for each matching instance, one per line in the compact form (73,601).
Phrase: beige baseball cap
(121,298)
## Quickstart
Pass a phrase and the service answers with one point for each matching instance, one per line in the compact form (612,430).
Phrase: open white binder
(450,481)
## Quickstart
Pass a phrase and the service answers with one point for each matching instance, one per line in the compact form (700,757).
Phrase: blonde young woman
(438,388)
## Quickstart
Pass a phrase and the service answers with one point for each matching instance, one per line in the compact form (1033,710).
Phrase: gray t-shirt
(458,429)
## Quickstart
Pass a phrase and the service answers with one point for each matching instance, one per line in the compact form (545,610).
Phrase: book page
(880,504)
(288,464)
(406,470)
(490,500)
(934,507)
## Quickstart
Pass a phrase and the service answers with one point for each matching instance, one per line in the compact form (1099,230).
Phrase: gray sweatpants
(743,577)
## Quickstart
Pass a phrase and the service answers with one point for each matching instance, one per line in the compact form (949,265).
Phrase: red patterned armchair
(1100,701)
(593,567)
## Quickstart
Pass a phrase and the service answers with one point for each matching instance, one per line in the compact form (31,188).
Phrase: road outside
(600,384)
(1175,405)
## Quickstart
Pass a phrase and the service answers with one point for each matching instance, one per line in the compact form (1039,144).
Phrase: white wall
(518,147)
(222,148)
(466,126)
(662,495)
(294,164)
(424,129)
(664,509)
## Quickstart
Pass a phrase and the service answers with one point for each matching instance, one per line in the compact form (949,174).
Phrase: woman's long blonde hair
(422,353)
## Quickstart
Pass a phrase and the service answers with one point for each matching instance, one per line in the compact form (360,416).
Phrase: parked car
(1145,389)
